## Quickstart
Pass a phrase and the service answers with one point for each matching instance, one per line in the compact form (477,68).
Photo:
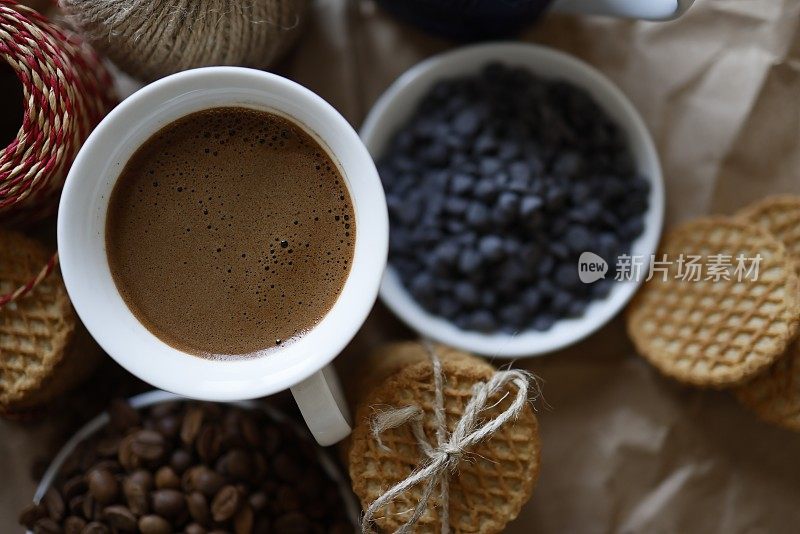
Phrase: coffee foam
(230,232)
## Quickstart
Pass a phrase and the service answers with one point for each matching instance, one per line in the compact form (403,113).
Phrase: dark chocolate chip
(461,183)
(467,123)
(492,247)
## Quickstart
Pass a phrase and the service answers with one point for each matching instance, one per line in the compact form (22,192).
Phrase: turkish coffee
(230,232)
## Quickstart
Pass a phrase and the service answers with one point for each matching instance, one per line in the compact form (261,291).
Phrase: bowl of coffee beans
(161,463)
(525,198)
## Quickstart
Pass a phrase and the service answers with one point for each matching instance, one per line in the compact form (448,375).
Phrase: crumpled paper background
(625,450)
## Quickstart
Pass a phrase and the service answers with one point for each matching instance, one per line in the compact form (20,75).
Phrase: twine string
(213,32)
(444,457)
(28,287)
(66,91)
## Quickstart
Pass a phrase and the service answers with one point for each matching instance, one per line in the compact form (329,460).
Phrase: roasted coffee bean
(225,504)
(194,528)
(32,513)
(213,411)
(148,445)
(91,510)
(192,423)
(74,486)
(167,479)
(180,461)
(102,485)
(162,409)
(250,431)
(142,478)
(74,525)
(95,528)
(154,524)
(109,465)
(136,493)
(236,464)
(197,504)
(231,432)
(108,446)
(156,483)
(209,443)
(258,501)
(126,456)
(47,525)
(120,518)
(54,504)
(243,521)
(168,426)
(204,480)
(168,503)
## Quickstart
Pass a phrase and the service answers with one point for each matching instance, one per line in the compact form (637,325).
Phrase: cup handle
(323,406)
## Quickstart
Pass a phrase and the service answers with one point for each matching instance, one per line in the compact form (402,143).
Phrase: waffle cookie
(780,216)
(716,332)
(775,394)
(43,351)
(490,485)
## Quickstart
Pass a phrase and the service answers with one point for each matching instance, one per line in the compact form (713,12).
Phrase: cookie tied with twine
(150,39)
(44,351)
(443,442)
(710,330)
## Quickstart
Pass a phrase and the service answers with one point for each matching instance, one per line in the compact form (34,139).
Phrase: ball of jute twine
(443,457)
(66,91)
(150,39)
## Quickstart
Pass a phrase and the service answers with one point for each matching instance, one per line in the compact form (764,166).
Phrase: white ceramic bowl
(395,107)
(158,397)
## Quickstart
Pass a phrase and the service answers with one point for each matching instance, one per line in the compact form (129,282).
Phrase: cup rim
(406,90)
(196,377)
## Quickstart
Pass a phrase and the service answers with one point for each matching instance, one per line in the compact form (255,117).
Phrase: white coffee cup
(304,365)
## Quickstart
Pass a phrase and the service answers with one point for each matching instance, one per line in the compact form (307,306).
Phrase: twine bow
(444,458)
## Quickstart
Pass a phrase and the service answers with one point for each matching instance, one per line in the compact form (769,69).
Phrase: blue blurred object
(468,20)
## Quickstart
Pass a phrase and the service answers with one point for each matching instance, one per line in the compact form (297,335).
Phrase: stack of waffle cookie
(43,348)
(721,307)
(495,477)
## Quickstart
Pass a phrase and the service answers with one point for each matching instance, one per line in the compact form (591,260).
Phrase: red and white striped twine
(67,91)
(25,289)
